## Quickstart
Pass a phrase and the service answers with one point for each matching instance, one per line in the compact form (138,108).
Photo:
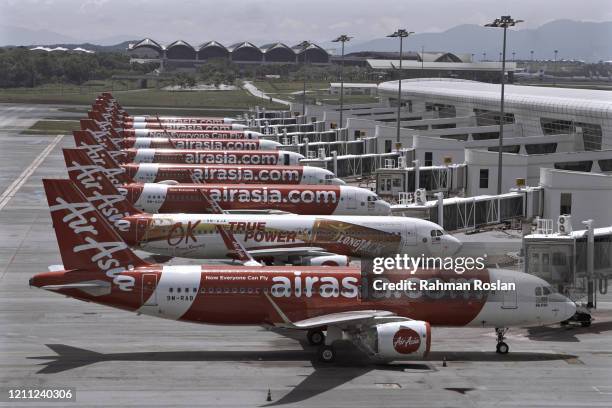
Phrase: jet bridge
(471,213)
(362,165)
(578,262)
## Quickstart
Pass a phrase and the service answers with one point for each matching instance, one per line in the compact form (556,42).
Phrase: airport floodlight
(400,33)
(304,46)
(502,22)
(342,39)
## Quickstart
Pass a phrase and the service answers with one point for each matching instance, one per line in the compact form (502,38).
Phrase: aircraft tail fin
(91,180)
(101,157)
(85,239)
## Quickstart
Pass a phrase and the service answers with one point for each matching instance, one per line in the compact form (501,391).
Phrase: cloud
(319,20)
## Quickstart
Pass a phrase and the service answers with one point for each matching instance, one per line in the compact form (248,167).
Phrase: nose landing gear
(502,347)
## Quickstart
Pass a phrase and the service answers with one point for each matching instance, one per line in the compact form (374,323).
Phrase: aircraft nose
(384,208)
(453,244)
(570,308)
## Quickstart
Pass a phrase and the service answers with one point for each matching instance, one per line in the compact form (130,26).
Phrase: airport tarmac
(115,358)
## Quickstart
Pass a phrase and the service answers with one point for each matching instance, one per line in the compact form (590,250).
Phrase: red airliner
(99,267)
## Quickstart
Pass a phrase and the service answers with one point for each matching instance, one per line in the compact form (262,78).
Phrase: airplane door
(409,236)
(351,199)
(149,294)
(141,230)
(510,298)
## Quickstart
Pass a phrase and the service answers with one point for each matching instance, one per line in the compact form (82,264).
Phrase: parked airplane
(201,173)
(99,267)
(184,134)
(196,198)
(195,156)
(107,104)
(298,239)
(106,125)
(197,143)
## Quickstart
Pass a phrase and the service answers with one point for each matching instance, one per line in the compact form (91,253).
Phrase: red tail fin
(99,156)
(85,239)
(98,189)
(90,138)
(90,124)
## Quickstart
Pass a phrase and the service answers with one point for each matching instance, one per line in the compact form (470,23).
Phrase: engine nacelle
(328,260)
(407,340)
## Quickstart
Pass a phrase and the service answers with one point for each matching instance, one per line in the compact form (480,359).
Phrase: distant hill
(20,36)
(11,35)
(574,39)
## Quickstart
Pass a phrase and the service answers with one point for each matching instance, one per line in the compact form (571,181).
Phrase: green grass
(46,127)
(286,87)
(74,95)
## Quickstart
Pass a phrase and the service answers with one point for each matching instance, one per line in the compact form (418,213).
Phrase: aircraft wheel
(502,348)
(315,337)
(327,354)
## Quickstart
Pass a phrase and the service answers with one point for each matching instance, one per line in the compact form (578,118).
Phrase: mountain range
(589,41)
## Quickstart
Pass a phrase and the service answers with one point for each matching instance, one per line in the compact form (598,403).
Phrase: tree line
(20,67)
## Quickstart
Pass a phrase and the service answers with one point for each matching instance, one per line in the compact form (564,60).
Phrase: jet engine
(405,340)
(327,260)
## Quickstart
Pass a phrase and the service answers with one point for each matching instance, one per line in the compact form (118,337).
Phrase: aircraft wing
(344,318)
(233,245)
(295,251)
(341,319)
(213,206)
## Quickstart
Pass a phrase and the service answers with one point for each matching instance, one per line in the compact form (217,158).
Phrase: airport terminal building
(532,110)
(182,54)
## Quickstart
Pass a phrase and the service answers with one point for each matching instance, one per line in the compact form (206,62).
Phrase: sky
(289,21)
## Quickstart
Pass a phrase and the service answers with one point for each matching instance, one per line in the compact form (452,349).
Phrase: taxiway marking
(23,177)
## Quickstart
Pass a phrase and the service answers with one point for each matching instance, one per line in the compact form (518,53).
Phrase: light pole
(513,53)
(304,46)
(531,52)
(503,22)
(555,69)
(422,59)
(484,56)
(401,33)
(343,38)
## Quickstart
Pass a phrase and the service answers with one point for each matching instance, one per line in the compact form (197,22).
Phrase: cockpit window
(436,233)
(373,198)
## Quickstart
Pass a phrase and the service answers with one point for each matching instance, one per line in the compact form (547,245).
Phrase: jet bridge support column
(590,232)
(440,196)
(335,162)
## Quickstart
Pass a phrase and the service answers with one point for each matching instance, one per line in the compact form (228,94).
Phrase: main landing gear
(502,347)
(327,354)
(315,337)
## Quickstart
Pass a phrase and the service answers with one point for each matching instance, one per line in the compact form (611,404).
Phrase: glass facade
(592,134)
(486,117)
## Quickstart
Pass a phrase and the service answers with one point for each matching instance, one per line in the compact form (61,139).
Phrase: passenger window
(178,290)
(170,290)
